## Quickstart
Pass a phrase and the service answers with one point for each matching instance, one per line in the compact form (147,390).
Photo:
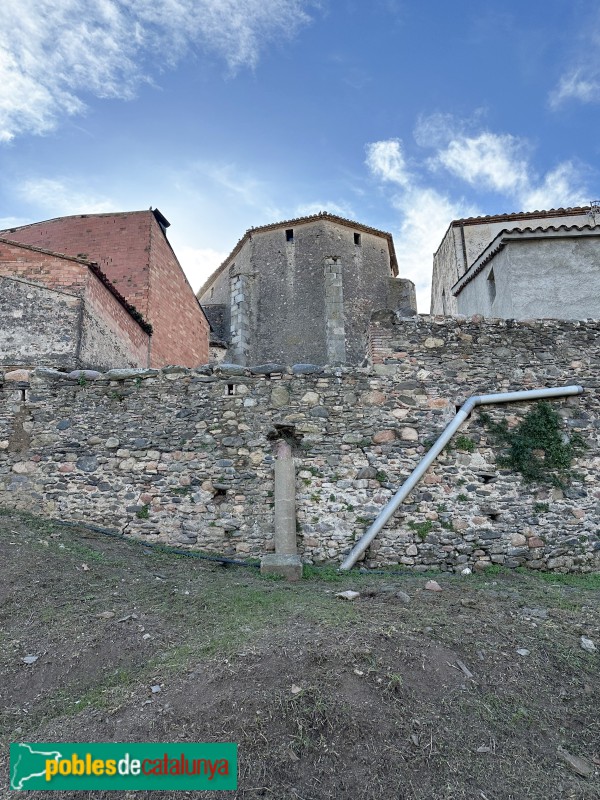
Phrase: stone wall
(38,325)
(185,457)
(304,290)
(132,250)
(72,321)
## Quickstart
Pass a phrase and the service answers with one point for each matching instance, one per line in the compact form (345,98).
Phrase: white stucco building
(520,266)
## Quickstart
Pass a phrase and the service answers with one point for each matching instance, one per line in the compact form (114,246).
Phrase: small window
(212,291)
(357,238)
(289,235)
(230,389)
(491,282)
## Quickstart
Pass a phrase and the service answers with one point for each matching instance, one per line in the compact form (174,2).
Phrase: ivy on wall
(537,448)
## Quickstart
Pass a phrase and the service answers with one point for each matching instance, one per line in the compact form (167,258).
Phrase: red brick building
(61,311)
(132,251)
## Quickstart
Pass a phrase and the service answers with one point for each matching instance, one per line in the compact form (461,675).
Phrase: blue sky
(227,114)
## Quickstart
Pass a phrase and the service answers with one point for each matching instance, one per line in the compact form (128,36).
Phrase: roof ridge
(76,216)
(569,210)
(310,218)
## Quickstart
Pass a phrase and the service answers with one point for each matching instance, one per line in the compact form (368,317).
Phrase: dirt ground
(421,695)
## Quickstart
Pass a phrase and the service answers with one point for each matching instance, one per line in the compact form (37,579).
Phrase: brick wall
(133,252)
(118,243)
(50,270)
(180,329)
(68,317)
(110,335)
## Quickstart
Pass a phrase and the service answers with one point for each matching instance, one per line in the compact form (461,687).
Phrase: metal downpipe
(416,475)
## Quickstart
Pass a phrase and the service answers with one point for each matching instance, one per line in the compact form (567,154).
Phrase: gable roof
(93,268)
(322,215)
(552,212)
(509,235)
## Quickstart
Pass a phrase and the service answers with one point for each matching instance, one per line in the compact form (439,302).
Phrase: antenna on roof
(594,210)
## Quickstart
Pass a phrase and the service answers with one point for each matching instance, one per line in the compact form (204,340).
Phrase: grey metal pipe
(416,475)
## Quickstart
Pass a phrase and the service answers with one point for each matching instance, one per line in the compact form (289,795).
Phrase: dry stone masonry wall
(185,456)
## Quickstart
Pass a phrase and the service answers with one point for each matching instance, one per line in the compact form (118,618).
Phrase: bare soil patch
(420,700)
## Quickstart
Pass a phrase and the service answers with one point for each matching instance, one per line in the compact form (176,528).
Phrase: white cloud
(199,263)
(386,161)
(560,188)
(490,160)
(425,216)
(425,213)
(53,51)
(499,162)
(341,209)
(578,84)
(63,197)
(12,222)
(580,81)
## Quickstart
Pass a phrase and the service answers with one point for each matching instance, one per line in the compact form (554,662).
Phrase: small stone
(383,437)
(366,473)
(535,541)
(587,645)
(87,463)
(310,398)
(112,443)
(579,765)
(412,550)
(280,397)
(123,374)
(23,467)
(17,375)
(403,597)
(30,659)
(409,434)
(348,595)
(431,342)
(268,369)
(374,398)
(433,586)
(306,369)
(232,370)
(155,689)
(522,651)
(84,375)
(105,615)
(465,571)
(295,689)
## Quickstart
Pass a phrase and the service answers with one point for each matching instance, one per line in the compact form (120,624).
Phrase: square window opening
(289,235)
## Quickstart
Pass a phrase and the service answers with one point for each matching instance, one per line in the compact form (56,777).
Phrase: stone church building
(303,290)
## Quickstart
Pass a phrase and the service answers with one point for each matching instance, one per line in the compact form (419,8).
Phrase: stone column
(285,561)
(335,332)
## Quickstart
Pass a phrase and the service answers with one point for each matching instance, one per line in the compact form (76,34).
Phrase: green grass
(422,529)
(328,574)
